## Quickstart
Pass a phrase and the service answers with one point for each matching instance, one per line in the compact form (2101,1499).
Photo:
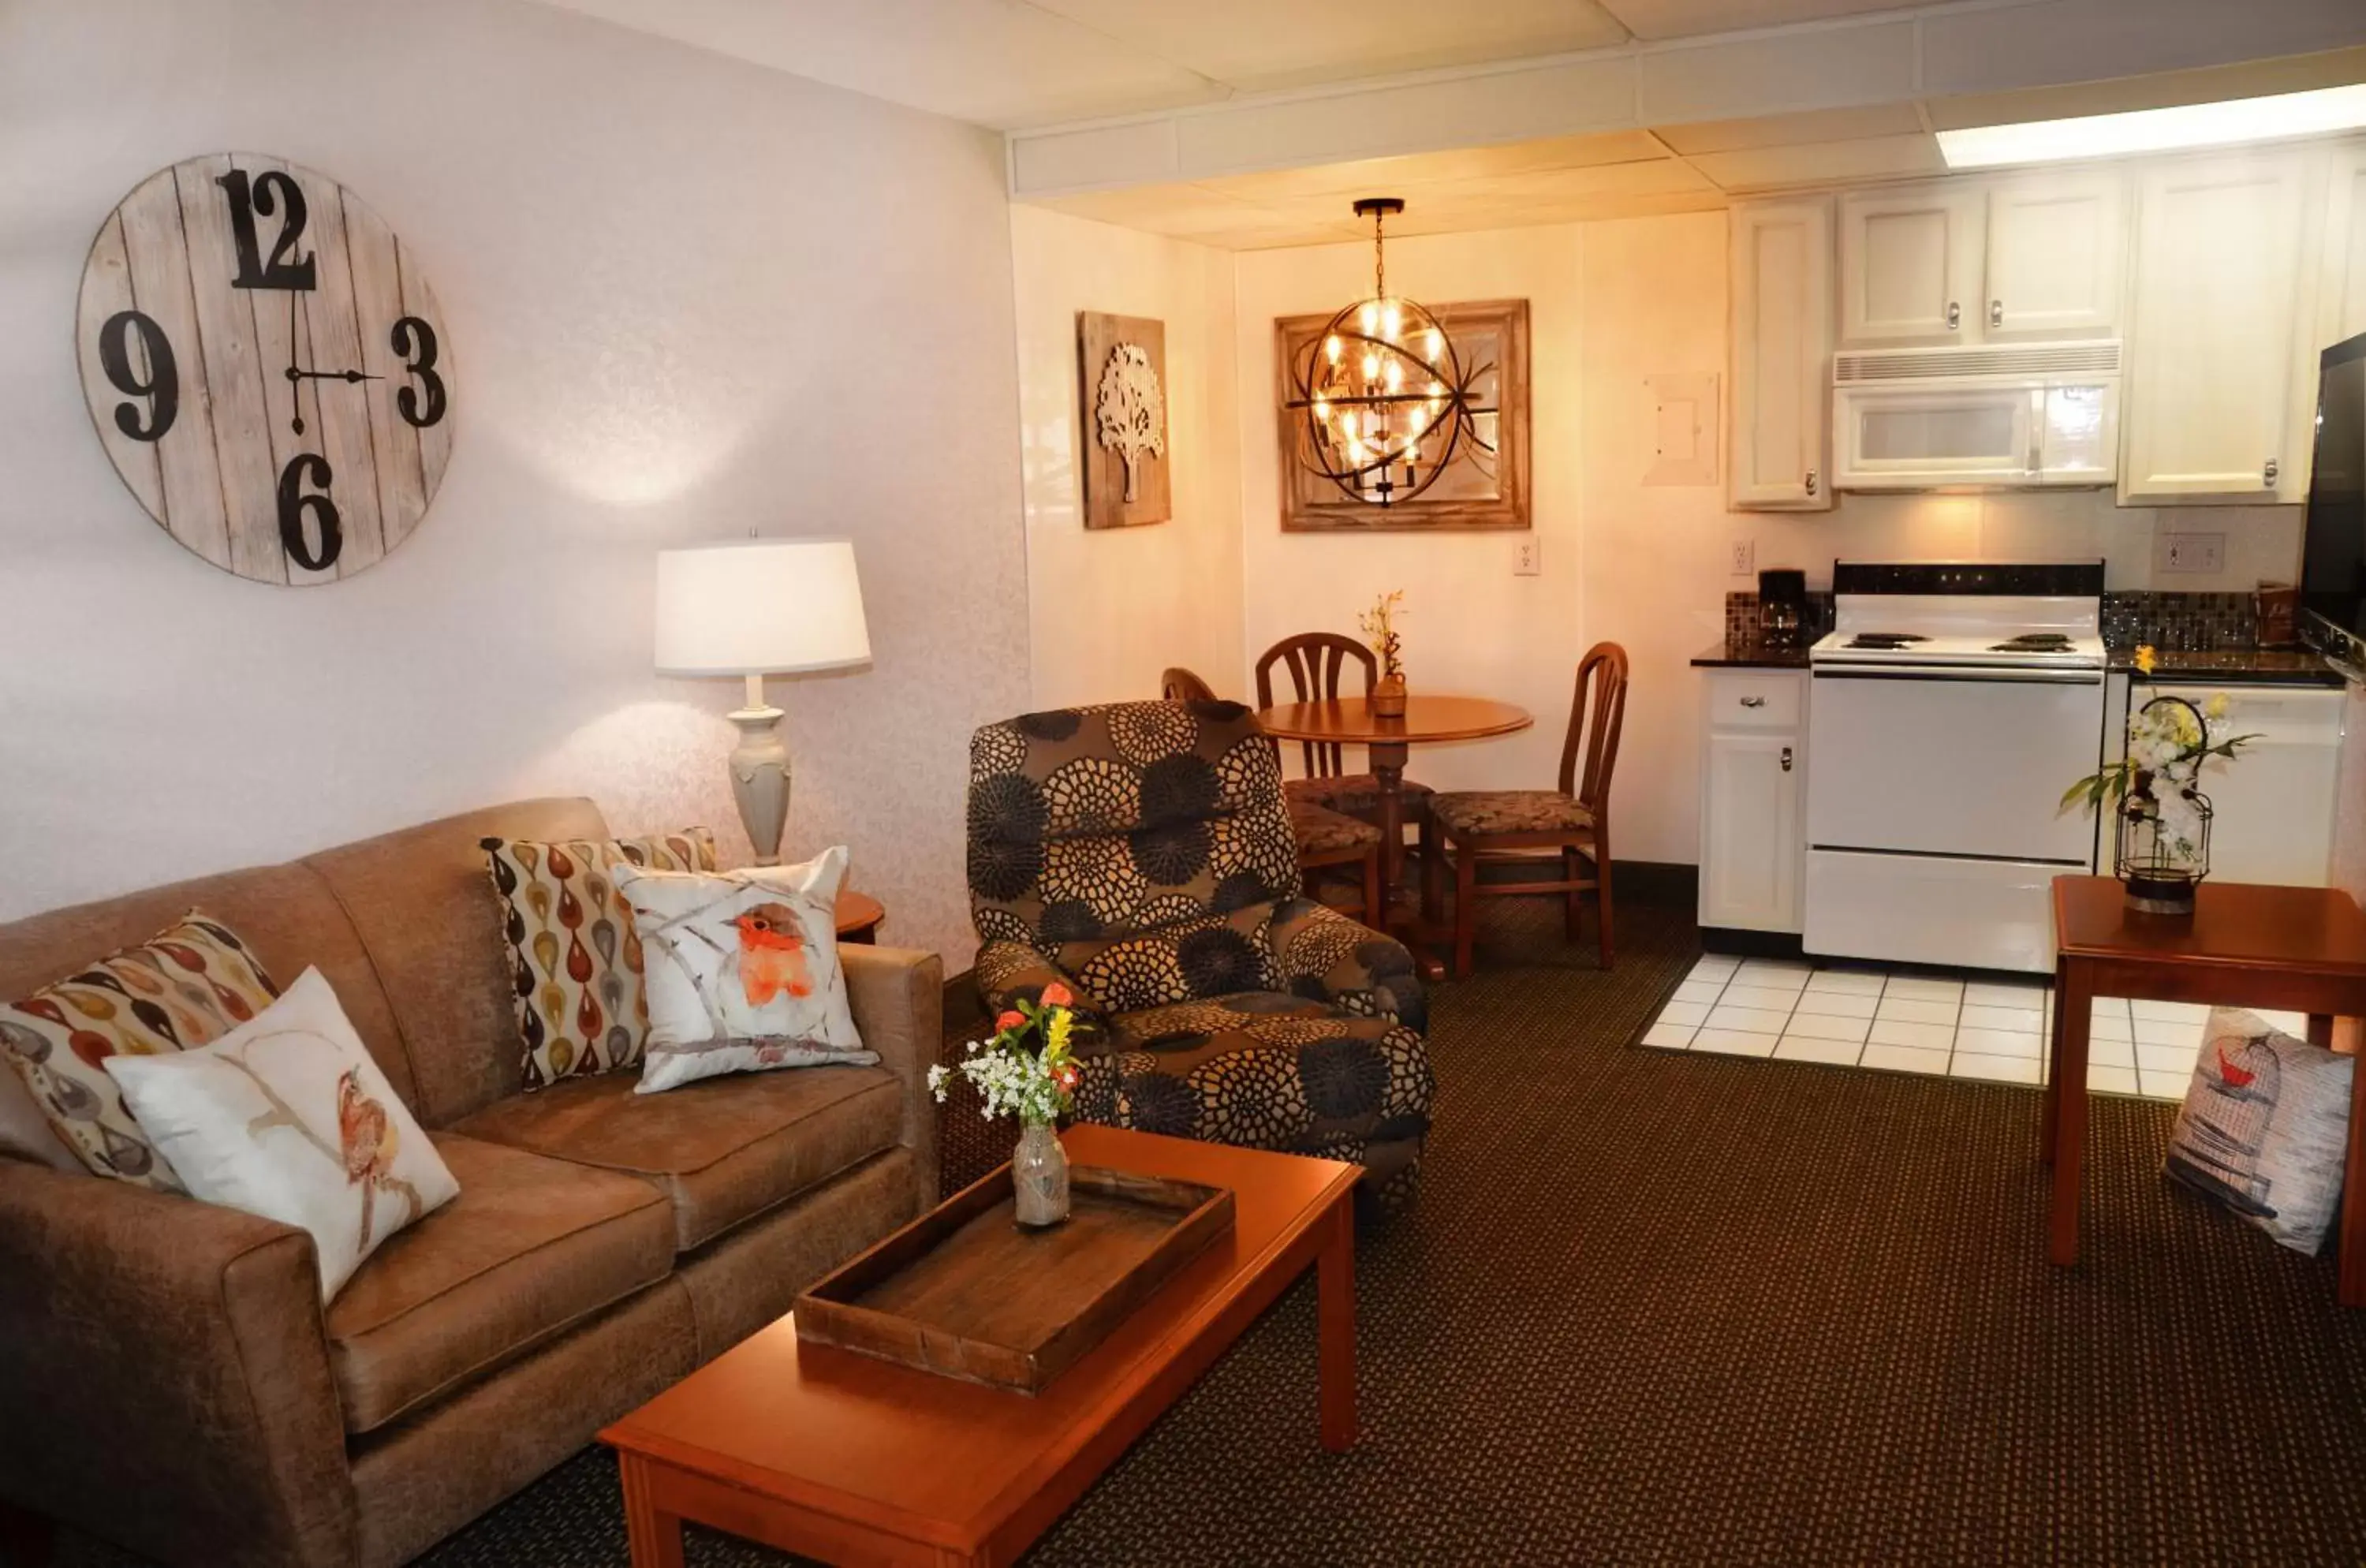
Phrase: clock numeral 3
(421,405)
(268,194)
(160,385)
(303,468)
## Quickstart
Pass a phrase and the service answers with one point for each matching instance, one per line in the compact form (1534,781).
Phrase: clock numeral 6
(160,385)
(421,405)
(303,468)
(268,194)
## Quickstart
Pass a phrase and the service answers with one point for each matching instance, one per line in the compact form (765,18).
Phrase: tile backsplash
(2182,622)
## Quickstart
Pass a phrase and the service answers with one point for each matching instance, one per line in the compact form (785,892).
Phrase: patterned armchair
(1141,853)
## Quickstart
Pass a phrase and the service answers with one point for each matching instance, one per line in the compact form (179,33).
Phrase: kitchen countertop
(2233,666)
(1750,656)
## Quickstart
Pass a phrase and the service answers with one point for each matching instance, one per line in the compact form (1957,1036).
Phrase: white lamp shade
(760,607)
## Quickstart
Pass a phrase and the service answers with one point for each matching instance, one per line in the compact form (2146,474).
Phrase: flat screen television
(2333,558)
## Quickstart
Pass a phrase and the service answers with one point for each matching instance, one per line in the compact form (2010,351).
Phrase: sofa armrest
(899,997)
(1328,957)
(165,1374)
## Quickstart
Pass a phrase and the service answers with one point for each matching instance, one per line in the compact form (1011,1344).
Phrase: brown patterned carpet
(1659,1308)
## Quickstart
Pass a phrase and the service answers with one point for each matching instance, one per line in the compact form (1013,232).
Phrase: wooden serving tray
(963,1293)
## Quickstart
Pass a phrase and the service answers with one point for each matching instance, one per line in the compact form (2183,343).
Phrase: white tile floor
(1865,1015)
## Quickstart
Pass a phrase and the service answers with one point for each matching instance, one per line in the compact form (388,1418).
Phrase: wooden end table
(2294,949)
(858,915)
(850,1459)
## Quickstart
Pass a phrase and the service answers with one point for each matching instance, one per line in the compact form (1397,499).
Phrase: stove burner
(1885,642)
(2033,642)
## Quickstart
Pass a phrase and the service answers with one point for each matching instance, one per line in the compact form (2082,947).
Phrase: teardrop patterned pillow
(582,1007)
(188,986)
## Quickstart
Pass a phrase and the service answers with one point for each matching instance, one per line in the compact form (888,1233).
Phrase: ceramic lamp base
(760,773)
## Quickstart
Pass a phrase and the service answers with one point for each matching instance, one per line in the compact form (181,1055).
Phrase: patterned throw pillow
(186,986)
(581,1004)
(286,1117)
(2265,1123)
(743,971)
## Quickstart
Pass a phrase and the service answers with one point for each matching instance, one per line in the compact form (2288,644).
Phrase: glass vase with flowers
(1026,1069)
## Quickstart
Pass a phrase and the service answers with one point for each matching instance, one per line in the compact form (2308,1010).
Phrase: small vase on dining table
(1039,1178)
(1387,698)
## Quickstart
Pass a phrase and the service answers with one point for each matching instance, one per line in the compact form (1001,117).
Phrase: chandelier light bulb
(1368,317)
(1391,322)
(1394,376)
(1331,346)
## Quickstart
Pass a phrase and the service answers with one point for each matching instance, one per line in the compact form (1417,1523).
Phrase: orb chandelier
(1383,403)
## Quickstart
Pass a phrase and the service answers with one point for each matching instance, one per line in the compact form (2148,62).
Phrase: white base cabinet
(1753,794)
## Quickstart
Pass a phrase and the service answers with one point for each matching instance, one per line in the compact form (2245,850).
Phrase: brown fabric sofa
(169,1379)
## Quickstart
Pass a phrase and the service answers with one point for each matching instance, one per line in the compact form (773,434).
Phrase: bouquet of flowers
(1025,1068)
(2157,781)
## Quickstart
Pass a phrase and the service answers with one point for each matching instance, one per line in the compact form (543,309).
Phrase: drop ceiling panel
(2073,41)
(1400,175)
(1791,130)
(1692,18)
(1261,45)
(2258,78)
(1824,163)
(1779,73)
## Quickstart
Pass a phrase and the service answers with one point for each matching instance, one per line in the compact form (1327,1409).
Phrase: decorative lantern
(1385,404)
(2163,849)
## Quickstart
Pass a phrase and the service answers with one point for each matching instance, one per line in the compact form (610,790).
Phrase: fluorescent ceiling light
(2157,130)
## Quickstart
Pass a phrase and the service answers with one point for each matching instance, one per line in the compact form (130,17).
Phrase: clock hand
(295,382)
(296,375)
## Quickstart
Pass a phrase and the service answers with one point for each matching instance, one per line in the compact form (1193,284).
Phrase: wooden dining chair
(1477,826)
(1315,662)
(1325,838)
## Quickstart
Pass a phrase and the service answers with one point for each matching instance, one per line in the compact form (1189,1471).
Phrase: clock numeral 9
(267,195)
(309,466)
(421,405)
(160,385)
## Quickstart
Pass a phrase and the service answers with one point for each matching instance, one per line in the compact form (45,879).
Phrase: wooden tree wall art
(266,367)
(1122,369)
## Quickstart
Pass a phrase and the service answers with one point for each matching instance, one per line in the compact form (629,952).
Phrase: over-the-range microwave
(2011,417)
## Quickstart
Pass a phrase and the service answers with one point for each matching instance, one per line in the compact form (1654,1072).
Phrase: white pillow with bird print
(286,1117)
(742,970)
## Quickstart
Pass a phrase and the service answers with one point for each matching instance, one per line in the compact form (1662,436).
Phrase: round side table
(858,915)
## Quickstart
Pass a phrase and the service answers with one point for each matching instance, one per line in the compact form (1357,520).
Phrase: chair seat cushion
(723,1150)
(1356,794)
(1322,832)
(529,1248)
(1263,1069)
(1470,814)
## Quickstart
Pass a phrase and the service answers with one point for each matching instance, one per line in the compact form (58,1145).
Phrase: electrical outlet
(1523,557)
(2199,553)
(1745,557)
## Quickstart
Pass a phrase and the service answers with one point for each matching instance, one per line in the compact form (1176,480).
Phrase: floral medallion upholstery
(1322,832)
(1471,814)
(1142,855)
(1354,793)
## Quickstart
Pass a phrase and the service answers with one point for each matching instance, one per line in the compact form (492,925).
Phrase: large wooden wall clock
(266,368)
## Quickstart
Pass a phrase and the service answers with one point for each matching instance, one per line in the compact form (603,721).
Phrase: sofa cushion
(724,1150)
(530,1247)
(426,911)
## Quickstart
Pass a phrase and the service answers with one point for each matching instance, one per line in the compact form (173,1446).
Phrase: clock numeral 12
(421,405)
(268,194)
(309,466)
(160,385)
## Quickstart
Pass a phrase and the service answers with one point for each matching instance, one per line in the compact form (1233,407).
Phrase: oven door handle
(1969,672)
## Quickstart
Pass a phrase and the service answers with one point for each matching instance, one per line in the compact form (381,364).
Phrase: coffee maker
(1782,609)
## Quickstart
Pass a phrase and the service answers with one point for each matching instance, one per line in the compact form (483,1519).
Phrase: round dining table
(1350,721)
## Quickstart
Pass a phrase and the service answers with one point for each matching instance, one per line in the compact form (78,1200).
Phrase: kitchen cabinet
(1782,304)
(2221,373)
(1753,772)
(2272,806)
(1909,264)
(2056,252)
(2344,309)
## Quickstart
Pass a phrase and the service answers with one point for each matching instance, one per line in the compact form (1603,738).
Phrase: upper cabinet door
(2219,303)
(1782,336)
(1909,267)
(2344,306)
(2056,248)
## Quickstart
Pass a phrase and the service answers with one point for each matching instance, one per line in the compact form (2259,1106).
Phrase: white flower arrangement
(1034,1082)
(2158,779)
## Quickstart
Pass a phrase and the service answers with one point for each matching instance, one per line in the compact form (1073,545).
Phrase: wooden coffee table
(850,1459)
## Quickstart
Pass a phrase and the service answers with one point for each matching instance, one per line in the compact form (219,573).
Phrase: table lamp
(753,608)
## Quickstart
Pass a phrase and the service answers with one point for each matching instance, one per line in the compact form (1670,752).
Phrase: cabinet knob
(1812,481)
(2267,474)
(1955,316)
(1753,702)
(1996,312)
(1787,759)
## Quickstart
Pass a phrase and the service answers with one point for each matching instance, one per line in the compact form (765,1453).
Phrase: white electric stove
(1949,710)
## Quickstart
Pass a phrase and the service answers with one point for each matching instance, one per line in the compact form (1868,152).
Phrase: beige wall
(1110,609)
(687,298)
(1613,304)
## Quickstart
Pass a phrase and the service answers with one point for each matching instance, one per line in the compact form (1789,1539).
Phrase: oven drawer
(1969,914)
(1755,700)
